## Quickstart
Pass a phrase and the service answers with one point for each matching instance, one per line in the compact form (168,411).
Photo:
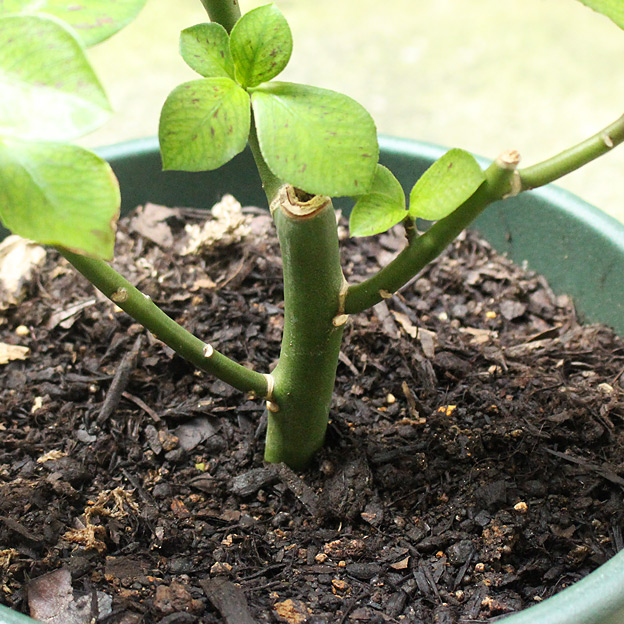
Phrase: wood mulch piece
(474,463)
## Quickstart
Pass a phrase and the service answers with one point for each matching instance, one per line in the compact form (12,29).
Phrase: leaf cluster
(318,140)
(50,190)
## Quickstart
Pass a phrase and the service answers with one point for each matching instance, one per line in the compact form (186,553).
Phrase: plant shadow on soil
(473,464)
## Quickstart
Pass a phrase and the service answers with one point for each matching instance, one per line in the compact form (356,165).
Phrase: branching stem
(422,250)
(502,181)
(145,311)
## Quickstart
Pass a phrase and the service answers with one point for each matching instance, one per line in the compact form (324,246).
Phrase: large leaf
(94,20)
(261,45)
(206,49)
(447,184)
(381,208)
(204,124)
(317,140)
(613,9)
(48,89)
(58,194)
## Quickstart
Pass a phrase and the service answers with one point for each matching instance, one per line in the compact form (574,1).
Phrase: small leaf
(49,89)
(261,44)
(58,194)
(206,49)
(320,141)
(447,184)
(613,9)
(204,124)
(381,208)
(93,20)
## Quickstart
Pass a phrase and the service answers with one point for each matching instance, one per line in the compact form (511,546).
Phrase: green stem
(313,328)
(270,183)
(224,12)
(574,157)
(499,177)
(145,311)
(429,245)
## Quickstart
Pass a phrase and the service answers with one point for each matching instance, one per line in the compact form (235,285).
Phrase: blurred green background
(484,75)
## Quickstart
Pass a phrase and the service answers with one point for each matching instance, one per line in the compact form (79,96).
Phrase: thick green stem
(145,311)
(422,250)
(573,158)
(313,327)
(224,12)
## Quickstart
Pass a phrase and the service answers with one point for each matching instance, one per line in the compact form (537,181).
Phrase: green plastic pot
(579,249)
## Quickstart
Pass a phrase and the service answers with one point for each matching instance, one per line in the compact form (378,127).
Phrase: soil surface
(474,462)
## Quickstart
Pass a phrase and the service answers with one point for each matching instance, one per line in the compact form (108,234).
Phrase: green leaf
(204,124)
(58,194)
(93,20)
(49,89)
(447,184)
(206,49)
(320,141)
(613,9)
(261,45)
(381,208)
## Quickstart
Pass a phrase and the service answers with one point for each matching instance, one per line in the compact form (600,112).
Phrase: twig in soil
(261,428)
(351,605)
(462,572)
(143,405)
(18,528)
(348,363)
(618,541)
(119,383)
(431,581)
(137,486)
(228,599)
(304,493)
(416,408)
(603,471)
(426,583)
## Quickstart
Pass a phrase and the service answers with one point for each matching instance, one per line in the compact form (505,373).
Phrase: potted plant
(296,135)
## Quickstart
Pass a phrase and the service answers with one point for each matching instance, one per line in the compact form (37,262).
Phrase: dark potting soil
(474,462)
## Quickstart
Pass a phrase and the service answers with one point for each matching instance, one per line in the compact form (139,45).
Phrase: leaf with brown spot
(204,124)
(93,20)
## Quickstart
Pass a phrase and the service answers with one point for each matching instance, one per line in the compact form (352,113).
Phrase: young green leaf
(49,89)
(381,208)
(317,140)
(93,20)
(613,9)
(261,45)
(204,124)
(58,194)
(206,49)
(447,184)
